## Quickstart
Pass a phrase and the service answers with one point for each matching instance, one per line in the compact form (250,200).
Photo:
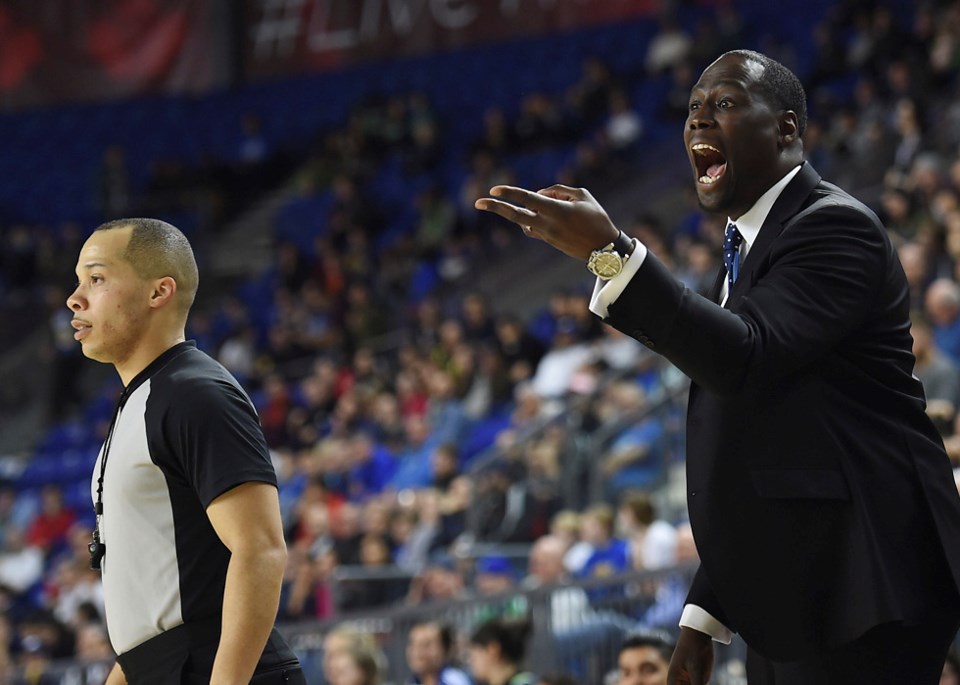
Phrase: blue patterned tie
(731,253)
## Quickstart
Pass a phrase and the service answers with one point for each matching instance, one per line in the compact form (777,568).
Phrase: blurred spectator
(497,137)
(668,48)
(624,126)
(540,123)
(521,352)
(21,564)
(92,644)
(566,356)
(495,575)
(568,605)
(16,512)
(94,654)
(485,172)
(346,533)
(253,145)
(611,555)
(19,263)
(352,658)
(413,468)
(676,101)
(66,364)
(425,150)
(308,586)
(49,528)
(453,507)
(379,586)
(497,651)
(412,529)
(644,659)
(546,562)
(445,466)
(943,310)
(75,584)
(634,459)
(430,648)
(441,580)
(566,525)
(913,258)
(940,377)
(909,132)
(114,183)
(496,514)
(238,354)
(589,97)
(700,269)
(43,635)
(477,322)
(652,541)
(437,220)
(899,215)
(371,466)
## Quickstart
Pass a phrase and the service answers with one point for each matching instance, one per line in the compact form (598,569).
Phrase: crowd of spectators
(377,389)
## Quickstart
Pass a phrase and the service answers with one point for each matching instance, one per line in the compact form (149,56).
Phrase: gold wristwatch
(608,261)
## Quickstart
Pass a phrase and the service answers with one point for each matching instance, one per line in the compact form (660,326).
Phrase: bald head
(546,559)
(943,302)
(158,249)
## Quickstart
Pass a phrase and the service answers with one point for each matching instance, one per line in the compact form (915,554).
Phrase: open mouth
(82,329)
(709,162)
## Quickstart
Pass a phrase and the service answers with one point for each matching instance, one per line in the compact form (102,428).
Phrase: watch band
(623,245)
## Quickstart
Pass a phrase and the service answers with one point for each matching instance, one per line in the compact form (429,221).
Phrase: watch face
(607,264)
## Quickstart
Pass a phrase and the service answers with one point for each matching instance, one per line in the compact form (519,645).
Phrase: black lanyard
(97,548)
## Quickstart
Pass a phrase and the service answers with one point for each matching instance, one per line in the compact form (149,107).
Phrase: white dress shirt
(606,293)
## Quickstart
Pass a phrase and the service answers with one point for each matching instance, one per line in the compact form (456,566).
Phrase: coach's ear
(789,128)
(163,291)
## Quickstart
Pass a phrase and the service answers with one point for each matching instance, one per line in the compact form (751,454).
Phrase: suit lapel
(783,209)
(717,287)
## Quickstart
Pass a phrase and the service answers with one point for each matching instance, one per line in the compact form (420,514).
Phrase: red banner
(298,35)
(72,50)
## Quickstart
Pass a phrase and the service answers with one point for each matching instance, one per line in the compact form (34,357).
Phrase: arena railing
(577,629)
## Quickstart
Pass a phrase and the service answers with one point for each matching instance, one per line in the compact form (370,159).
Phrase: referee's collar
(158,364)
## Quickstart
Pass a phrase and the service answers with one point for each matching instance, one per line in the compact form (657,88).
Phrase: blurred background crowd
(458,439)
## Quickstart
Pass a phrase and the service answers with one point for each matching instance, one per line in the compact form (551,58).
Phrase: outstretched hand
(692,661)
(568,219)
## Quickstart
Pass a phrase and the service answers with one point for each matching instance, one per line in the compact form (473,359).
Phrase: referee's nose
(75,302)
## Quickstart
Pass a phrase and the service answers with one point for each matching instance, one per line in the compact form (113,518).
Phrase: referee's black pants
(184,656)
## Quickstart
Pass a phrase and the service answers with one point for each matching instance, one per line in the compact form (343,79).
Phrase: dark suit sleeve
(824,272)
(701,594)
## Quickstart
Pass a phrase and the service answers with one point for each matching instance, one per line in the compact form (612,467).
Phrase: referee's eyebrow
(90,265)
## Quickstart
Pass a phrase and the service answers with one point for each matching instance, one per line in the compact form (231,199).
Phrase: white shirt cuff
(606,293)
(698,619)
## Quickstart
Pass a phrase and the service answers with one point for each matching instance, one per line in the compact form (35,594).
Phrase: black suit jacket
(820,496)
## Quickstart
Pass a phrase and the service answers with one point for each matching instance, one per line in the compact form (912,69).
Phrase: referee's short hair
(157,249)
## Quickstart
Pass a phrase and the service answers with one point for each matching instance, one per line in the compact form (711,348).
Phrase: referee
(188,532)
